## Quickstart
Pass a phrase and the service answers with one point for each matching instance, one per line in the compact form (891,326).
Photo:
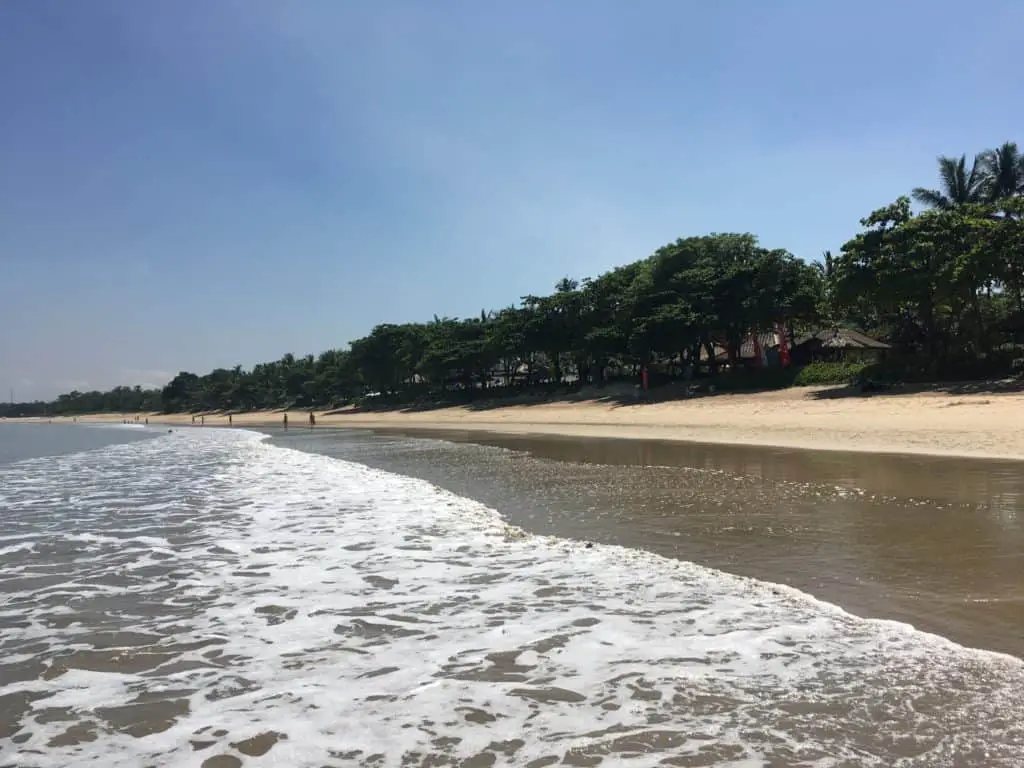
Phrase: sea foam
(293,609)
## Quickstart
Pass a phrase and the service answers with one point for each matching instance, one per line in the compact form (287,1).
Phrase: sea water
(205,598)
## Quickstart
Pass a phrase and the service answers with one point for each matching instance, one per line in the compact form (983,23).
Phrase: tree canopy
(945,287)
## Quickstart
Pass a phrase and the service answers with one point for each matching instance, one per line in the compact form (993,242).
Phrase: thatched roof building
(841,338)
(837,344)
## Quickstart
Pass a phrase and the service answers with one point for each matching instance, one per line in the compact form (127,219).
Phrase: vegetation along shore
(934,295)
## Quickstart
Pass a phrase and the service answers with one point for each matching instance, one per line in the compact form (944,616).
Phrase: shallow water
(208,598)
(935,542)
(19,441)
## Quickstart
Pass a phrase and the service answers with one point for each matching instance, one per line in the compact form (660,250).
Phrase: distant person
(147,421)
(229,419)
(286,419)
(193,418)
(312,420)
(202,421)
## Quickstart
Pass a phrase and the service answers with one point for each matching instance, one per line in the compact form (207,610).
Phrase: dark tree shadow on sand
(989,387)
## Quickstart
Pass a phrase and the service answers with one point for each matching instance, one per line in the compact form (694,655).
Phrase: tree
(944,287)
(180,393)
(961,185)
(1002,172)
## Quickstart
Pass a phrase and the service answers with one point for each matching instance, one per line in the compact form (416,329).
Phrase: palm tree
(1002,171)
(960,185)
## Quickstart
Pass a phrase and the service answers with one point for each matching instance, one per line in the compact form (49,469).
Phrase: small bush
(829,373)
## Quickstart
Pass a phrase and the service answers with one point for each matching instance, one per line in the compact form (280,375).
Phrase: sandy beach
(206,594)
(938,422)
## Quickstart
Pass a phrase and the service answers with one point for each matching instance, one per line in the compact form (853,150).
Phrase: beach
(941,422)
(198,596)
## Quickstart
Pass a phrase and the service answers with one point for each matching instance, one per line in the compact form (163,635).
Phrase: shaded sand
(983,425)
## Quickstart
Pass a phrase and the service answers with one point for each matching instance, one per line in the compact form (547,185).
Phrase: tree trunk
(712,362)
(980,341)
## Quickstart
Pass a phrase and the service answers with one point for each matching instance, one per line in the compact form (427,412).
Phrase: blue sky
(192,184)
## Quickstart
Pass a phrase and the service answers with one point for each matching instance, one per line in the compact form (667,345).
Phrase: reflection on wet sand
(936,542)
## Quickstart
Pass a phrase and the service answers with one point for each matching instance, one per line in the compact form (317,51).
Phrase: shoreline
(640,435)
(979,426)
(826,524)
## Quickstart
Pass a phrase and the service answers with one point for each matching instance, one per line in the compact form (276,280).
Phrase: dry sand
(987,425)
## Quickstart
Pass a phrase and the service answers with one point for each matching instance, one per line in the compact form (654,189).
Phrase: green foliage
(961,185)
(819,374)
(945,288)
(116,400)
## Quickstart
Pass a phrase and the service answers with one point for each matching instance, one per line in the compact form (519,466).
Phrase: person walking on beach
(229,419)
(286,420)
(312,420)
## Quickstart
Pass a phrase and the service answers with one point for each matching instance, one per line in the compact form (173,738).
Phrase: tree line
(117,400)
(944,286)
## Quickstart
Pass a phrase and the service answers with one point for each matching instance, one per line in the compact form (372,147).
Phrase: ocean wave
(276,605)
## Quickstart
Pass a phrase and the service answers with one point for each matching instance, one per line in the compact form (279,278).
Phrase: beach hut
(836,344)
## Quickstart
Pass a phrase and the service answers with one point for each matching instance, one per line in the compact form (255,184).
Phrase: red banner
(784,357)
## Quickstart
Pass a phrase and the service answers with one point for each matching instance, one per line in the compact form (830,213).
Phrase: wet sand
(934,542)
